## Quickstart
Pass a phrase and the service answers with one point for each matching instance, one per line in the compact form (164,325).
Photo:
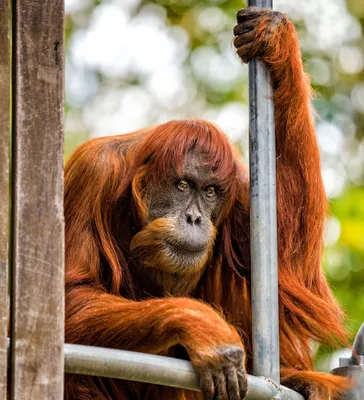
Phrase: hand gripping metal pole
(263,219)
(139,367)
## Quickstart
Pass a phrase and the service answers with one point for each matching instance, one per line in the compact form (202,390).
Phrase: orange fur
(105,203)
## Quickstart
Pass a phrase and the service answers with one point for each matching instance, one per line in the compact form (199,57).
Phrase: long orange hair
(107,172)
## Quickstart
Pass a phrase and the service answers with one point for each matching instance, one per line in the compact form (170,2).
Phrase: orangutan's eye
(210,191)
(183,185)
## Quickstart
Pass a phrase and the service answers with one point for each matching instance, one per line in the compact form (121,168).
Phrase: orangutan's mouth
(185,249)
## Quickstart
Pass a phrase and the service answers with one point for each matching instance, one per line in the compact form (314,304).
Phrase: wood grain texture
(37,334)
(4,184)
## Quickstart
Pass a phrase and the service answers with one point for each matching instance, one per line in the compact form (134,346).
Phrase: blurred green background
(133,63)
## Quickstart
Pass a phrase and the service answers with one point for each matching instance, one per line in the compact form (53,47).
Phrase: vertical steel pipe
(263,219)
(353,367)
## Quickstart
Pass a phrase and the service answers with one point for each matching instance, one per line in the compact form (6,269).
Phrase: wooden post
(4,184)
(37,331)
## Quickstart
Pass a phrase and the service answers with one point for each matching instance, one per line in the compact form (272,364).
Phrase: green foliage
(344,261)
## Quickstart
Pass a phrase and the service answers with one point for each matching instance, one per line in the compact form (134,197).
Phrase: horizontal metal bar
(140,367)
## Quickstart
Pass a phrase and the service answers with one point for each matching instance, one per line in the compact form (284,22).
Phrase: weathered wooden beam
(4,184)
(37,331)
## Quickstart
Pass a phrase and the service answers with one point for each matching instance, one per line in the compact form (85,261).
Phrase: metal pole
(353,367)
(263,219)
(134,366)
